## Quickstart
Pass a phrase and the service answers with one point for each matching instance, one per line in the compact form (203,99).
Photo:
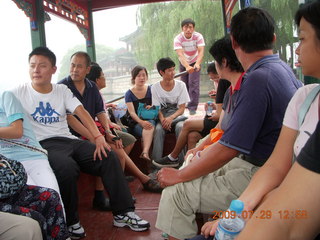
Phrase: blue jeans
(158,140)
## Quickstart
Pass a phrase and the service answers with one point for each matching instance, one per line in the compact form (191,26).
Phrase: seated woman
(140,93)
(18,142)
(39,203)
(290,191)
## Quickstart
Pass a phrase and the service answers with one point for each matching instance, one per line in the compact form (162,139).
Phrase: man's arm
(166,122)
(211,159)
(14,130)
(88,122)
(77,126)
(184,61)
(103,120)
(199,58)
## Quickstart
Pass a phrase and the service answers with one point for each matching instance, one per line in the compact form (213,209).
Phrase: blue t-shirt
(11,111)
(91,98)
(130,97)
(258,107)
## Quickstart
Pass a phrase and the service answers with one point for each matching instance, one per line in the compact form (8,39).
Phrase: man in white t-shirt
(168,93)
(189,45)
(46,106)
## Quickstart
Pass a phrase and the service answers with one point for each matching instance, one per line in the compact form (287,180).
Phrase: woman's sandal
(145,156)
(152,185)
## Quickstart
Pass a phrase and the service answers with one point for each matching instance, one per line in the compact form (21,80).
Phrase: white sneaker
(76,231)
(131,220)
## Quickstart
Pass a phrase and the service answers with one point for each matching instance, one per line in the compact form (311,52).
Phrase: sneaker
(152,185)
(165,162)
(131,220)
(76,231)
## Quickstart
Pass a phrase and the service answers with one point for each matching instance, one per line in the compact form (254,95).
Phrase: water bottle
(210,108)
(231,224)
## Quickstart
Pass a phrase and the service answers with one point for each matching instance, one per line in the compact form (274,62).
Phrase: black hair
(46,52)
(311,13)
(188,21)
(222,49)
(95,72)
(135,71)
(165,63)
(212,68)
(83,54)
(253,29)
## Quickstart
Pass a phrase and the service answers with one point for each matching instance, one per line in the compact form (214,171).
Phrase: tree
(160,23)
(101,50)
(285,27)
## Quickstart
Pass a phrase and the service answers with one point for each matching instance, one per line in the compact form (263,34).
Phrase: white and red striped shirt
(190,46)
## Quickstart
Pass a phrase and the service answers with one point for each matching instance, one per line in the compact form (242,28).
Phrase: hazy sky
(15,45)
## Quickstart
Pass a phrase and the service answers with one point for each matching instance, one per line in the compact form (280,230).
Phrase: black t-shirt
(309,156)
(222,88)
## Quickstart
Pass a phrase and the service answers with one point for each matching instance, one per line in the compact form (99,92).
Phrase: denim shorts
(137,130)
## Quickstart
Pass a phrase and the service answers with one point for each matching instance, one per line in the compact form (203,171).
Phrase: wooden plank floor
(98,225)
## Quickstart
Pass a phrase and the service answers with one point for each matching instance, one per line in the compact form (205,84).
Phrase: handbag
(147,114)
(128,121)
(13,177)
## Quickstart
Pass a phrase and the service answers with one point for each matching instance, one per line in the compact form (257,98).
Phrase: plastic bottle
(210,108)
(231,224)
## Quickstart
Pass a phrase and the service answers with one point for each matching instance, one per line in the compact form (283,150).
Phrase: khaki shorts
(127,138)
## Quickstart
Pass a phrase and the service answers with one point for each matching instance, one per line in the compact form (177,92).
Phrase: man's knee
(20,228)
(187,124)
(31,230)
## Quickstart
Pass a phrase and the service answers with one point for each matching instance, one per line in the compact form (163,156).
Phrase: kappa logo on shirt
(45,115)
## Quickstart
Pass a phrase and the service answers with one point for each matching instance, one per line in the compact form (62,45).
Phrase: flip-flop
(142,156)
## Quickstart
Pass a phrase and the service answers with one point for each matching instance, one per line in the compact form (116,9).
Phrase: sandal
(152,185)
(145,156)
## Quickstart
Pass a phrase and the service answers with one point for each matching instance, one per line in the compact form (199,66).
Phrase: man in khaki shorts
(18,227)
(252,119)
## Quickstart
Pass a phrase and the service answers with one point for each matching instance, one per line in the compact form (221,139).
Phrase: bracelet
(95,138)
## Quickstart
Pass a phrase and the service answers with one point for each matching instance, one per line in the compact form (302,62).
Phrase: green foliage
(101,51)
(283,12)
(160,23)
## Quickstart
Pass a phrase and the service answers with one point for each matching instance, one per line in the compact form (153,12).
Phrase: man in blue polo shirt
(255,111)
(88,94)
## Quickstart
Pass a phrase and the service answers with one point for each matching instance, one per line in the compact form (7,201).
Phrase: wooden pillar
(90,43)
(224,15)
(38,35)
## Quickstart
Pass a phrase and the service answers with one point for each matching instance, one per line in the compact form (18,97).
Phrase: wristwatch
(115,139)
